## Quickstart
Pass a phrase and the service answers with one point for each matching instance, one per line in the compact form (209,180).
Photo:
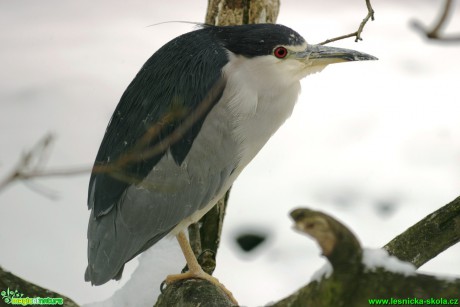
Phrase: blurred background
(374,144)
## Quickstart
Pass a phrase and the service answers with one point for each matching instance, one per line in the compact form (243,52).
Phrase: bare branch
(357,34)
(32,163)
(429,237)
(435,33)
(443,18)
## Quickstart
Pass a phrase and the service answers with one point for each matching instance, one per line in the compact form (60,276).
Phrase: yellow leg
(195,270)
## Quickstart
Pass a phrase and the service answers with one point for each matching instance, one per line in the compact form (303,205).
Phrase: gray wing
(171,85)
(138,202)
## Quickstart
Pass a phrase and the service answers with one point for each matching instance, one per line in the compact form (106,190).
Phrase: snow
(445,277)
(324,272)
(379,258)
(373,258)
(376,144)
(143,286)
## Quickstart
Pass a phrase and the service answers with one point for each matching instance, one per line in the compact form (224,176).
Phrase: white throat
(261,97)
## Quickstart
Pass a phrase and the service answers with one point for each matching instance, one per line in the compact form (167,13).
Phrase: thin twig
(32,163)
(357,34)
(442,19)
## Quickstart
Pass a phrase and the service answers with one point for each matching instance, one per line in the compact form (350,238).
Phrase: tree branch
(193,293)
(435,33)
(32,165)
(357,34)
(351,282)
(238,12)
(429,237)
(28,289)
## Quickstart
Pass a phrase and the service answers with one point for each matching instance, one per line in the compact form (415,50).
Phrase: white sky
(363,136)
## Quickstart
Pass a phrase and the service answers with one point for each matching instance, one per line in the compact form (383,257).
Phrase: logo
(17,298)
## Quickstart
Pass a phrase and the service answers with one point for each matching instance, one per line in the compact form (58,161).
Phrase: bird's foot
(201,275)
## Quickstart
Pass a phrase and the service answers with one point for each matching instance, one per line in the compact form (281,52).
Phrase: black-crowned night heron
(195,115)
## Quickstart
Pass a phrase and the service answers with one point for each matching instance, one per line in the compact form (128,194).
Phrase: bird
(197,112)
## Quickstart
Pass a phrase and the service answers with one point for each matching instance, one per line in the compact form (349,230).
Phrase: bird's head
(278,51)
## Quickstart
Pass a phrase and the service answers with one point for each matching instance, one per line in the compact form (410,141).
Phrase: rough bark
(238,12)
(351,283)
(193,293)
(429,237)
(27,289)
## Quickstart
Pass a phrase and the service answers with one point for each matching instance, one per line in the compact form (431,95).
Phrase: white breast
(261,95)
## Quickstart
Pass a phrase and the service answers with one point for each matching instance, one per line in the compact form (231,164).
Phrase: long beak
(319,54)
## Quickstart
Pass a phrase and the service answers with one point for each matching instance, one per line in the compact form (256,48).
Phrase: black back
(170,85)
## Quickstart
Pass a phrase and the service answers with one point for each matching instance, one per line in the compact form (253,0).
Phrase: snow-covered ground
(375,144)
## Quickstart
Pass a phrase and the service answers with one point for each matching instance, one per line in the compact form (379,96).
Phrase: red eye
(280,52)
